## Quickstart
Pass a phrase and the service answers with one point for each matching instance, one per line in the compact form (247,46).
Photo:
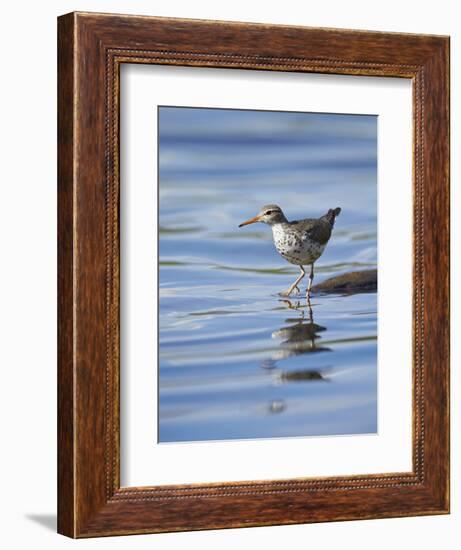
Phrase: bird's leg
(309,285)
(295,284)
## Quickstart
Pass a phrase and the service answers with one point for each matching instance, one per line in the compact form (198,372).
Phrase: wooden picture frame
(92,47)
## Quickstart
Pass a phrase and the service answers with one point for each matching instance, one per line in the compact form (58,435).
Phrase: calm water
(237,361)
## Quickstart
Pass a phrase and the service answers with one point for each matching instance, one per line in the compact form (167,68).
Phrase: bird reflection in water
(299,336)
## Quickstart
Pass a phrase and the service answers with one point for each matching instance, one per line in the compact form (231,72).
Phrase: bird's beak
(251,220)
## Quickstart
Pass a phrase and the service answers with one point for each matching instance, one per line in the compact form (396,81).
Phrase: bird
(300,242)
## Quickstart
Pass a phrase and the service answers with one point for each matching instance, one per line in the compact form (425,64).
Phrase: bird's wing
(315,229)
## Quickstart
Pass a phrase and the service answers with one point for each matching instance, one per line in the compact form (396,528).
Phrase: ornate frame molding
(91,49)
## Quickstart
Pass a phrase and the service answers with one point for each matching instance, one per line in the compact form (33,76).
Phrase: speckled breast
(296,246)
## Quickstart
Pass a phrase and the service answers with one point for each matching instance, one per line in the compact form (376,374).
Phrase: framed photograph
(253,275)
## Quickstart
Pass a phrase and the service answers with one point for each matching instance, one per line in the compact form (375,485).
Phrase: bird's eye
(269,212)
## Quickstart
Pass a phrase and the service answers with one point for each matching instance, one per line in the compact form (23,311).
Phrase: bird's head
(270,214)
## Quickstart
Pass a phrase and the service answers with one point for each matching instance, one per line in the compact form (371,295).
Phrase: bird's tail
(330,216)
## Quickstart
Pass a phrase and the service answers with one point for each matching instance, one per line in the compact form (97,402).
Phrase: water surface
(236,360)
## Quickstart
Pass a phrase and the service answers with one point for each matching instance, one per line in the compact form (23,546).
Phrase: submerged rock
(349,283)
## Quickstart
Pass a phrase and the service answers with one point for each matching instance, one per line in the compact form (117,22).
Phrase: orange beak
(251,220)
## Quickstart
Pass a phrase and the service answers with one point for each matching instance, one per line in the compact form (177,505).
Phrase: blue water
(236,360)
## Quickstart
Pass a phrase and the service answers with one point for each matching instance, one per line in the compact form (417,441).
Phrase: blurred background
(237,360)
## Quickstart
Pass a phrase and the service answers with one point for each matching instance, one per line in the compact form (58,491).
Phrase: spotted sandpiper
(299,242)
